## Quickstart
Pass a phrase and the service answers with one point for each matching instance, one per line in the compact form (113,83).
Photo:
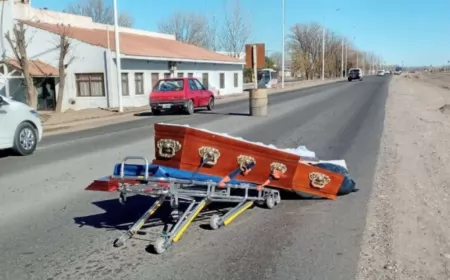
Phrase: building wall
(87,59)
(93,59)
(147,67)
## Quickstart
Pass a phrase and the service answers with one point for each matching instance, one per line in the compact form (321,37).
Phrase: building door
(46,97)
(205,80)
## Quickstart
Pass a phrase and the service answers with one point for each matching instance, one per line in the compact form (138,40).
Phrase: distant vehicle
(355,74)
(267,78)
(20,127)
(380,73)
(398,70)
(180,94)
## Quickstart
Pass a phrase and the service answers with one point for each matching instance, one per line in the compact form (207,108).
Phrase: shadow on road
(143,114)
(224,114)
(7,154)
(120,217)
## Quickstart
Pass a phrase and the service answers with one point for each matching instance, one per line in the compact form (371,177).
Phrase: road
(251,85)
(50,228)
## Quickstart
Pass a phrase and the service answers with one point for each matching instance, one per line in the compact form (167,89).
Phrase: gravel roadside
(408,224)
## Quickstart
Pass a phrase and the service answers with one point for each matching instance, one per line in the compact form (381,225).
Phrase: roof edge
(180,59)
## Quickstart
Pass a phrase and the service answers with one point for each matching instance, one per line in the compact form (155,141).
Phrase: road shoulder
(408,224)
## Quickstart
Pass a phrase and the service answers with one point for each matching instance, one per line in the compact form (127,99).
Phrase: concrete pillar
(258,102)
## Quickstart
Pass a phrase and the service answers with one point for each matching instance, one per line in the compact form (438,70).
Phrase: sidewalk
(69,121)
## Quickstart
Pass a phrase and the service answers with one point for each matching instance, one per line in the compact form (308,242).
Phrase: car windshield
(169,85)
(354,71)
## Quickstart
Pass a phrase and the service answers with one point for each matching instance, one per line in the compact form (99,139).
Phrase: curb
(54,129)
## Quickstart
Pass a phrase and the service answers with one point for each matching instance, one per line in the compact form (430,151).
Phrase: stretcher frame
(197,194)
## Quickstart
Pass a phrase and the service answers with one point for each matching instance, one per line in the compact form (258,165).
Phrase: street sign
(260,56)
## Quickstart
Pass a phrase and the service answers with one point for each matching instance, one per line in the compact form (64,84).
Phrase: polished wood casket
(211,153)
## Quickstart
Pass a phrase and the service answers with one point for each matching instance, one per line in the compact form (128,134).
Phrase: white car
(20,127)
(380,73)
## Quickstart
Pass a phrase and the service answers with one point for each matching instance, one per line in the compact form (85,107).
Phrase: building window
(90,85)
(190,75)
(222,80)
(205,80)
(139,83)
(125,84)
(166,75)
(155,79)
(236,80)
(180,74)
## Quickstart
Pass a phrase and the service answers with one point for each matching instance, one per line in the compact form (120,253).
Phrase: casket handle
(244,161)
(209,155)
(278,166)
(167,148)
(319,180)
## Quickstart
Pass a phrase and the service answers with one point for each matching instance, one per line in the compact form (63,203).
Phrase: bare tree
(99,12)
(236,31)
(212,31)
(191,28)
(305,43)
(65,59)
(277,58)
(19,46)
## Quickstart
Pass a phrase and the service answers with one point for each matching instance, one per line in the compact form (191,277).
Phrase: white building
(91,79)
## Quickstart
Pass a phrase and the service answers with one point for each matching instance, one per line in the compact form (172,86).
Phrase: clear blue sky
(414,31)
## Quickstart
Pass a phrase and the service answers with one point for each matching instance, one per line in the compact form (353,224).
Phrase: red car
(180,94)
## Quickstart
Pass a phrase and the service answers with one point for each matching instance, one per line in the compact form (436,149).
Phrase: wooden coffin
(185,148)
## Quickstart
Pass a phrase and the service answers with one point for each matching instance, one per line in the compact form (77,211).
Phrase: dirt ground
(408,226)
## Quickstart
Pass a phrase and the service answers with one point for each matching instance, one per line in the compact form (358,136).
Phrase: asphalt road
(50,228)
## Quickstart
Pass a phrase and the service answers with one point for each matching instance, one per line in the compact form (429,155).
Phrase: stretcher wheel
(160,245)
(119,242)
(174,204)
(214,222)
(278,199)
(270,202)
(122,198)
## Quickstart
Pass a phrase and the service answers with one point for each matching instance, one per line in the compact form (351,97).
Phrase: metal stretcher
(197,192)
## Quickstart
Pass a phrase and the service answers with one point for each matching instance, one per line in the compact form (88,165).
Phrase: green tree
(270,63)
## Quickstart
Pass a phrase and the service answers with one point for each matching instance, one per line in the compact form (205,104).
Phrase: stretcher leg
(139,223)
(216,221)
(161,244)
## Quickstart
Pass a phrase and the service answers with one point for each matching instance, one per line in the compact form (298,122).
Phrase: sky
(413,32)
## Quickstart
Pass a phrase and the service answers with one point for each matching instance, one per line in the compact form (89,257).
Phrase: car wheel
(156,112)
(25,140)
(349,79)
(361,79)
(210,104)
(190,107)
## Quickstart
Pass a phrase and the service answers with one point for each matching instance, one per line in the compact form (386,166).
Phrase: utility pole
(363,62)
(342,59)
(119,67)
(282,56)
(323,52)
(346,58)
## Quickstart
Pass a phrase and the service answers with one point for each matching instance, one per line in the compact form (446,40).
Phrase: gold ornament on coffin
(209,155)
(319,180)
(167,148)
(278,166)
(244,161)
